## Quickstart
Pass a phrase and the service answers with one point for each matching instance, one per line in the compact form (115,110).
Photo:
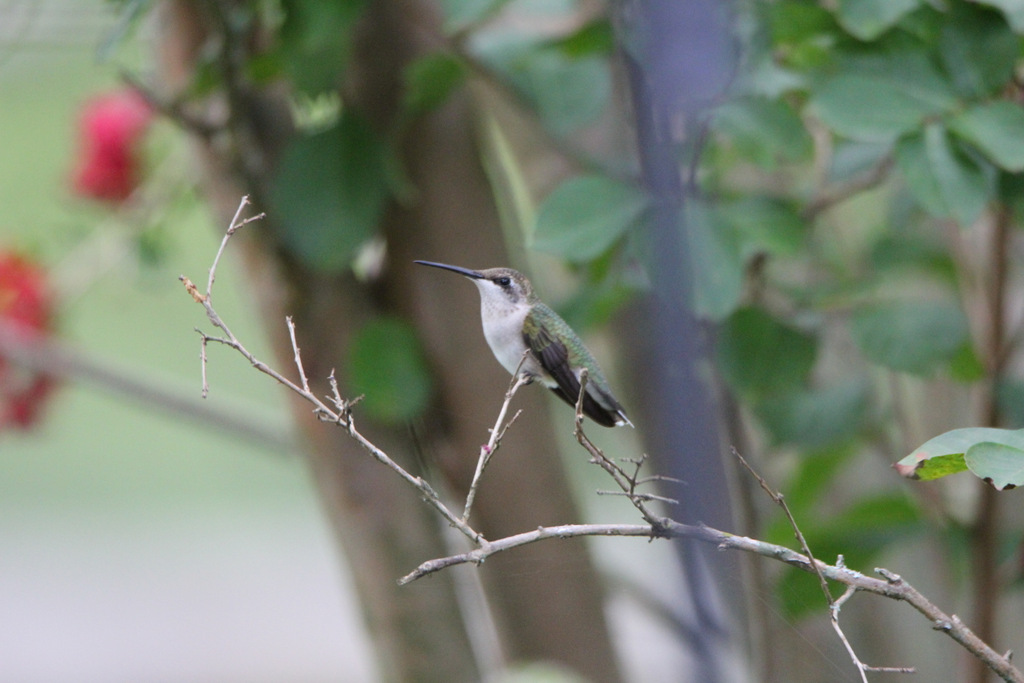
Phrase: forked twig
(627,482)
(340,416)
(833,605)
(235,225)
(863,668)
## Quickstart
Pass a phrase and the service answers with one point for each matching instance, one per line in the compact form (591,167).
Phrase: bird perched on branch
(515,320)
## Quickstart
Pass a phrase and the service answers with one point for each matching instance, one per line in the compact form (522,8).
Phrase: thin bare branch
(202,364)
(659,477)
(831,195)
(891,586)
(175,109)
(342,416)
(862,668)
(298,355)
(69,363)
(597,455)
(519,379)
(833,605)
(627,482)
(780,500)
(478,555)
(833,612)
(644,497)
(236,223)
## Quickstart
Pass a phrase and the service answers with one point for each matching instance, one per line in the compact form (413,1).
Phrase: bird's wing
(553,356)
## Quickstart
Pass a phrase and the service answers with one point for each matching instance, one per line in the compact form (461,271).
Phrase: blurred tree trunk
(384,528)
(679,58)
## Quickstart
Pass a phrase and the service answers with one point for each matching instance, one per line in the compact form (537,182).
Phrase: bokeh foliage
(861,150)
(891,131)
(861,146)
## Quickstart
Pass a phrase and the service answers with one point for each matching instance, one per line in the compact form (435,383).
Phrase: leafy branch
(334,408)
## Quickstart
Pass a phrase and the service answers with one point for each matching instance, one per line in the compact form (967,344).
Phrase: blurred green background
(863,278)
(135,544)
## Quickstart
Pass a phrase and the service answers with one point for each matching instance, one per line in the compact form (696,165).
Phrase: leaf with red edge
(932,467)
(995,455)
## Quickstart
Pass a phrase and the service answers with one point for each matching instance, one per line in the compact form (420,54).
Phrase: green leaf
(593,38)
(852,159)
(264,68)
(879,100)
(596,302)
(330,191)
(764,130)
(868,19)
(1010,191)
(459,14)
(796,21)
(814,475)
(803,34)
(997,129)
(760,355)
(947,454)
(568,93)
(873,522)
(817,418)
(1013,10)
(910,336)
(585,215)
(935,467)
(978,50)
(766,77)
(715,262)
(904,250)
(429,81)
(965,366)
(316,40)
(996,463)
(764,224)
(870,108)
(386,365)
(944,181)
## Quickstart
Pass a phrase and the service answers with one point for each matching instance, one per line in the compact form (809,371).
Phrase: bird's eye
(503,281)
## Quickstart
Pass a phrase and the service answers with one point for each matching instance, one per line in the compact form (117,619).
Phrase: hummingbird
(515,319)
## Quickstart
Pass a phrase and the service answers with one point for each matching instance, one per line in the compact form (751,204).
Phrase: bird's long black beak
(475,274)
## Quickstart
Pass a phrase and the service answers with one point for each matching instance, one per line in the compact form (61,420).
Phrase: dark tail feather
(591,408)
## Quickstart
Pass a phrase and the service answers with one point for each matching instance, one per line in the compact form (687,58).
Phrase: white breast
(504,333)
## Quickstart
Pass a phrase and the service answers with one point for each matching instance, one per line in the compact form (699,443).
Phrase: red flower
(109,129)
(25,315)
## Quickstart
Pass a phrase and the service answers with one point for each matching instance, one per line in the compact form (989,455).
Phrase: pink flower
(110,129)
(26,310)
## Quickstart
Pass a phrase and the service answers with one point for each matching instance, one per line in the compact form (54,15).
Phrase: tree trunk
(379,521)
